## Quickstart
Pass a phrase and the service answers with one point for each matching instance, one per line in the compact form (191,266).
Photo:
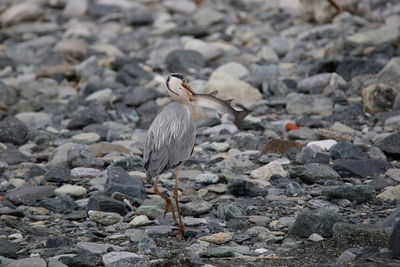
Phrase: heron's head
(178,89)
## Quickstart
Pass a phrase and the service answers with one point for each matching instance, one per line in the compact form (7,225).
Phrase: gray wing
(169,140)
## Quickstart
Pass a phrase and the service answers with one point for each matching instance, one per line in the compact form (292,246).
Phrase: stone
(75,8)
(206,16)
(394,244)
(390,73)
(321,83)
(118,180)
(89,68)
(390,193)
(101,202)
(234,69)
(59,157)
(13,156)
(346,150)
(75,48)
(90,115)
(242,187)
(82,172)
(159,230)
(219,146)
(58,175)
(346,257)
(28,262)
(180,6)
(317,221)
(86,137)
(390,145)
(59,204)
(315,237)
(209,51)
(293,189)
(80,156)
(184,61)
(378,98)
(98,248)
(59,241)
(301,104)
(265,172)
(207,178)
(34,120)
(358,193)
(196,207)
(324,145)
(280,146)
(267,53)
(123,258)
(7,248)
(228,212)
(136,235)
(382,35)
(82,258)
(360,168)
(104,218)
(25,11)
(71,190)
(13,131)
(218,238)
(314,172)
(150,211)
(360,229)
(30,194)
(140,220)
(229,87)
(140,95)
(139,17)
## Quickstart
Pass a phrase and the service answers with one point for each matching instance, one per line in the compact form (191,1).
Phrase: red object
(292,126)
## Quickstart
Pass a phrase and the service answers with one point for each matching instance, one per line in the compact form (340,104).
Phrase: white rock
(82,172)
(375,36)
(207,50)
(71,190)
(206,16)
(219,146)
(28,10)
(390,193)
(88,137)
(74,47)
(75,8)
(207,178)
(35,119)
(180,6)
(266,171)
(101,96)
(104,218)
(325,145)
(140,220)
(267,53)
(234,69)
(315,237)
(112,258)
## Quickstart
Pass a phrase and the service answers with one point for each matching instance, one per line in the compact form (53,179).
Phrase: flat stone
(360,168)
(184,61)
(29,194)
(394,243)
(209,51)
(118,180)
(206,16)
(346,150)
(82,172)
(71,190)
(300,104)
(140,220)
(207,178)
(25,11)
(60,204)
(390,193)
(76,48)
(358,193)
(87,137)
(315,237)
(383,35)
(34,119)
(218,238)
(314,172)
(123,258)
(150,211)
(325,145)
(75,8)
(101,202)
(265,172)
(104,218)
(180,6)
(58,175)
(234,69)
(390,145)
(8,248)
(28,262)
(196,207)
(390,74)
(136,235)
(98,248)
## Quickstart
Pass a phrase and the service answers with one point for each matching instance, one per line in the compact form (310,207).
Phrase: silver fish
(222,106)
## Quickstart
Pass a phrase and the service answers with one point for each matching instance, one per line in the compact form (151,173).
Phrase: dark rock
(8,95)
(346,150)
(247,141)
(345,229)
(358,193)
(118,180)
(84,258)
(293,189)
(101,10)
(8,249)
(280,146)
(104,203)
(227,212)
(13,131)
(390,221)
(80,156)
(148,111)
(101,130)
(132,74)
(245,188)
(196,207)
(318,221)
(10,211)
(217,252)
(58,175)
(75,215)
(89,115)
(30,194)
(314,172)
(139,17)
(59,204)
(351,115)
(394,241)
(184,61)
(13,156)
(396,103)
(140,95)
(391,145)
(312,155)
(60,241)
(360,168)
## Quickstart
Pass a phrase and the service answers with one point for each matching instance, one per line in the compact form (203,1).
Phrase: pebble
(218,238)
(71,190)
(265,172)
(234,69)
(359,193)
(390,193)
(196,207)
(140,220)
(315,237)
(207,178)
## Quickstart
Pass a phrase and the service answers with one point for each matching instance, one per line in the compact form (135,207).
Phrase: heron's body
(169,140)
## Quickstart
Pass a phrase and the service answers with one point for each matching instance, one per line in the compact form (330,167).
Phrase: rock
(358,193)
(75,48)
(314,172)
(361,229)
(265,172)
(180,6)
(86,137)
(90,115)
(75,8)
(60,204)
(246,141)
(159,230)
(206,16)
(383,35)
(219,146)
(104,218)
(318,221)
(346,257)
(29,262)
(59,241)
(139,17)
(207,178)
(394,244)
(13,131)
(321,83)
(12,156)
(390,145)
(218,239)
(123,258)
(82,172)
(378,98)
(390,73)
(60,155)
(84,258)
(80,156)
(71,190)
(140,95)
(324,145)
(229,87)
(360,168)
(346,150)
(228,212)
(88,68)
(101,202)
(300,104)
(9,95)
(58,175)
(209,51)
(98,248)
(136,235)
(7,248)
(25,11)
(29,194)
(234,69)
(184,61)
(267,53)
(35,120)
(280,146)
(140,220)
(315,237)
(243,187)
(150,211)
(195,208)
(390,193)
(118,180)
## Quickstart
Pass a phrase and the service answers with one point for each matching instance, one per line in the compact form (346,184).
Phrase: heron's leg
(168,202)
(181,225)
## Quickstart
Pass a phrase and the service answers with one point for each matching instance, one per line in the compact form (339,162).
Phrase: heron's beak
(188,88)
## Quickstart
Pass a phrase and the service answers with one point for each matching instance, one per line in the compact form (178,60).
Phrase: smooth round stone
(325,145)
(71,190)
(219,146)
(86,137)
(192,221)
(136,235)
(180,6)
(219,238)
(315,237)
(207,178)
(82,172)
(140,220)
(17,182)
(218,188)
(233,68)
(104,218)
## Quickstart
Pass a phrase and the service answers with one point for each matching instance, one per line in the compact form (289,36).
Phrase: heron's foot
(168,206)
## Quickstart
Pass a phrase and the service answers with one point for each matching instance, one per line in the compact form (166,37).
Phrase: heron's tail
(240,116)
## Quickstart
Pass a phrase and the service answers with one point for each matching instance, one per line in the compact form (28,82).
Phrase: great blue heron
(170,140)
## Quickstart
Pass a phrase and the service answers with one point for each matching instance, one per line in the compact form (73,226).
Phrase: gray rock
(104,218)
(318,221)
(241,187)
(34,120)
(58,175)
(7,248)
(383,35)
(345,257)
(104,203)
(346,150)
(60,204)
(235,69)
(360,168)
(394,243)
(227,212)
(9,95)
(300,104)
(123,258)
(358,193)
(89,67)
(140,95)
(98,248)
(13,156)
(314,172)
(90,115)
(207,178)
(390,74)
(312,155)
(321,83)
(279,44)
(118,180)
(80,156)
(29,194)
(206,16)
(184,61)
(390,145)
(13,131)
(139,17)
(195,208)
(348,229)
(75,8)
(136,235)
(25,11)
(28,262)
(150,211)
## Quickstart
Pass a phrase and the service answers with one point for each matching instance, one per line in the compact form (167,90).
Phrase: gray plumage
(169,140)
